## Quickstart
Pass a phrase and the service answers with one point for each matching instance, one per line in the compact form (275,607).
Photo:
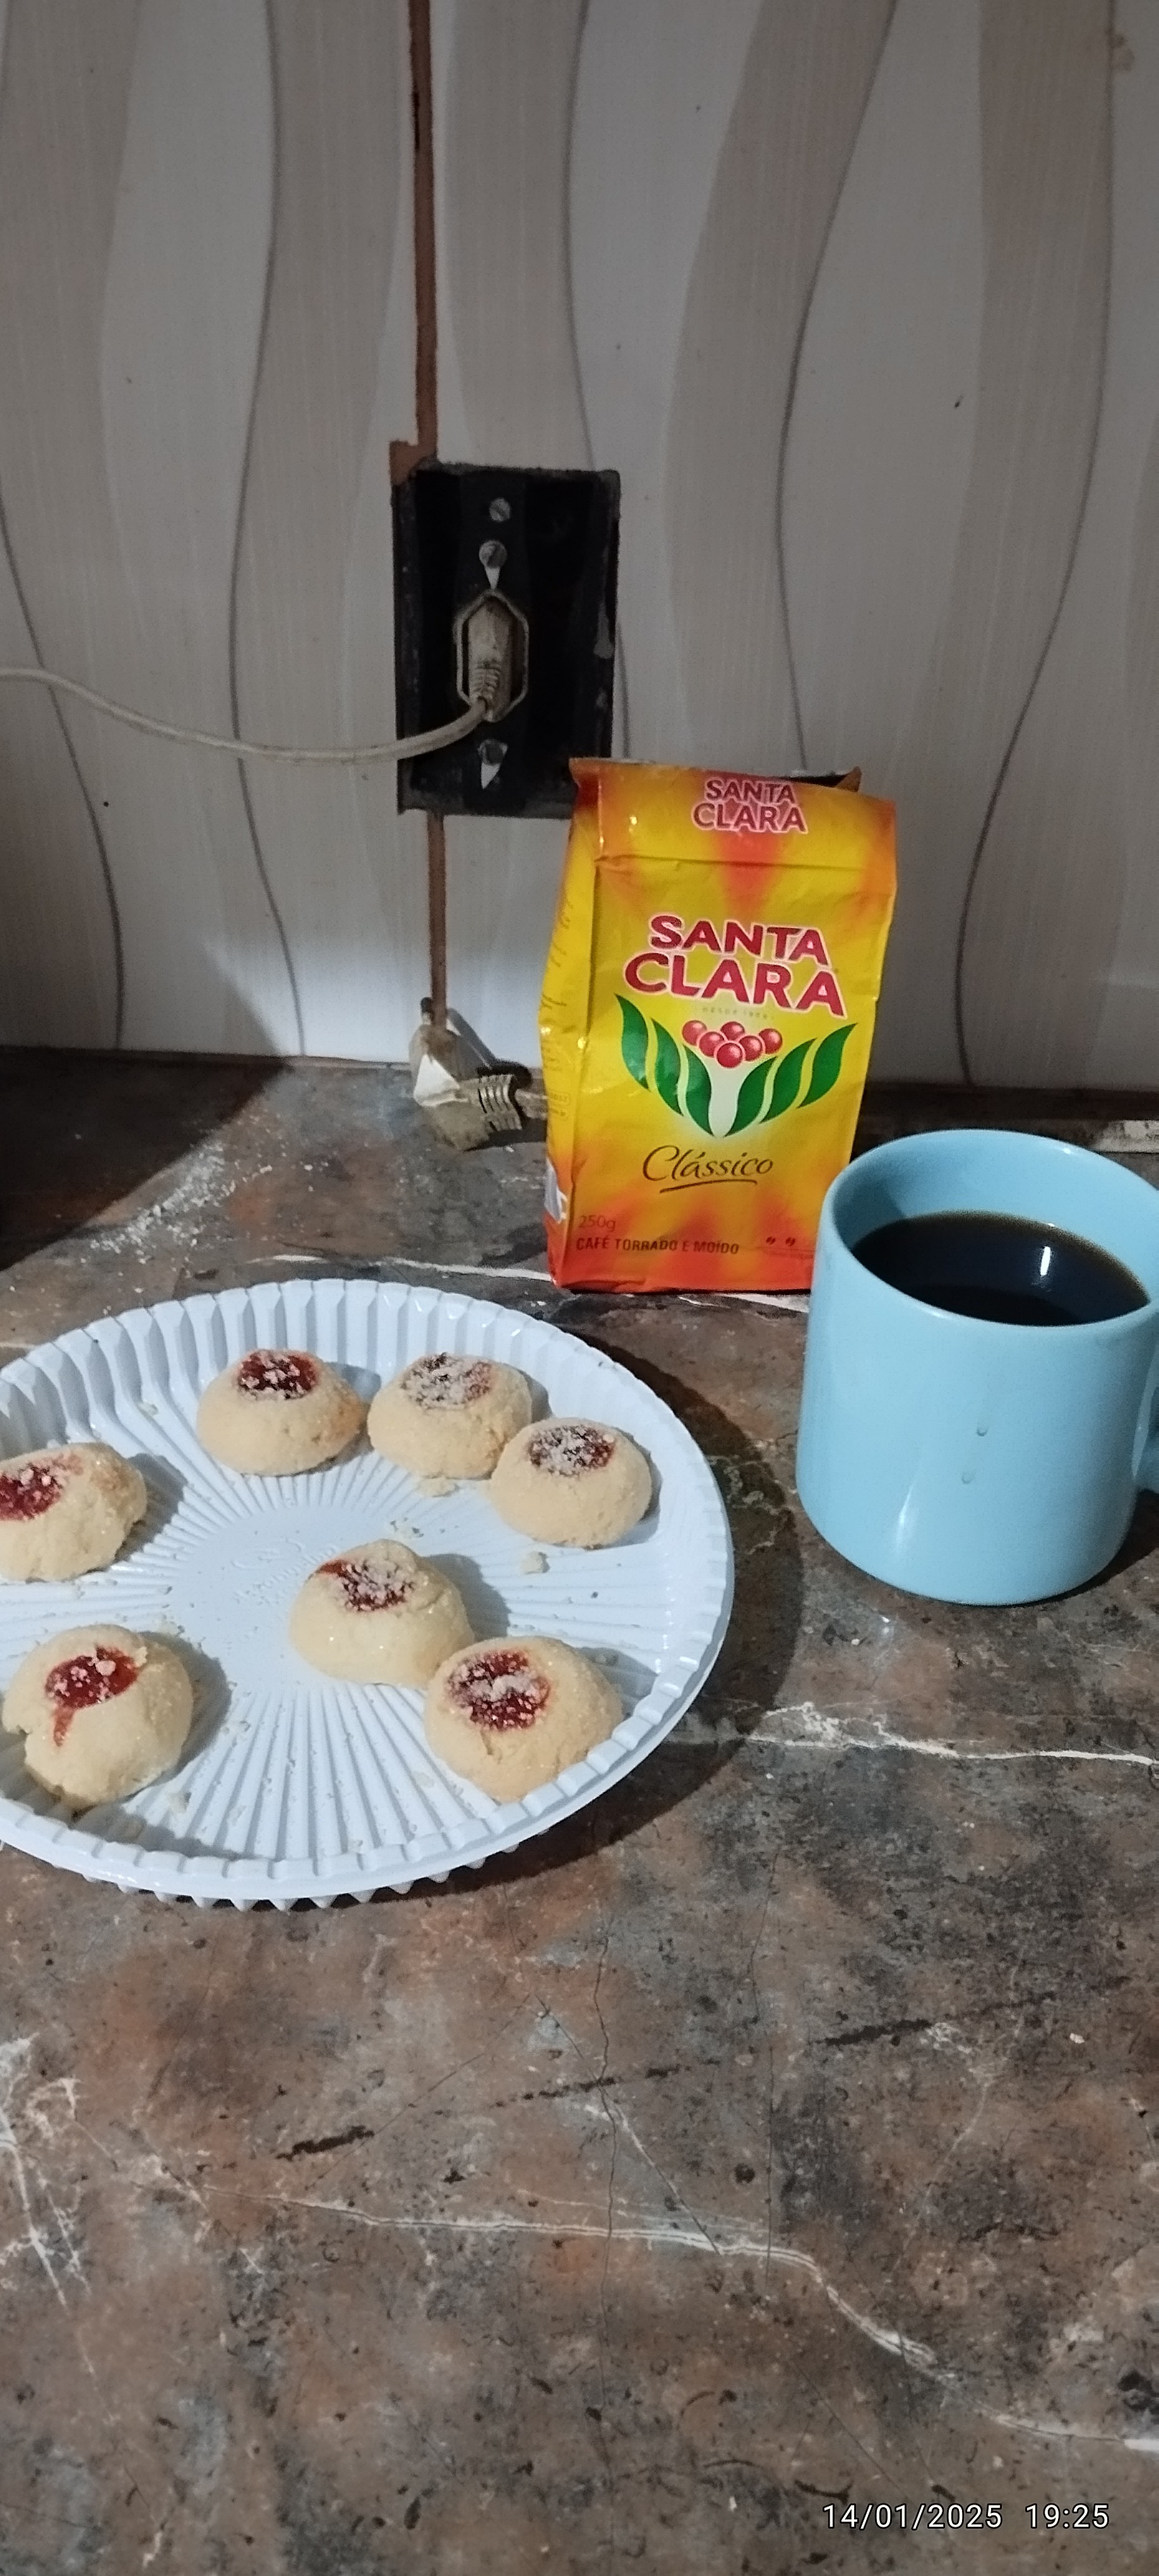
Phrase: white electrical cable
(350,754)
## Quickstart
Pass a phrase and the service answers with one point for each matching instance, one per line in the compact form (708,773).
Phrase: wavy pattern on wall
(509,392)
(240,522)
(844,294)
(1126,1046)
(339,191)
(803,92)
(505,141)
(1094,958)
(655,90)
(1129,1039)
(177,331)
(48,854)
(206,308)
(62,962)
(880,438)
(1058,309)
(857,295)
(1044,133)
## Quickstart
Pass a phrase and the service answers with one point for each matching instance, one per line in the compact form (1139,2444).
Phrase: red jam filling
(84,1680)
(570,1448)
(444,1379)
(29,1492)
(366,1590)
(499,1689)
(289,1373)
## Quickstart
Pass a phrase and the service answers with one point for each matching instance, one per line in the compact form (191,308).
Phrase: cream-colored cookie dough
(573,1484)
(449,1414)
(101,1712)
(514,1712)
(65,1511)
(277,1413)
(378,1613)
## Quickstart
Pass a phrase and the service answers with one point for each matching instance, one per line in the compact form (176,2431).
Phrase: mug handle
(1147,1466)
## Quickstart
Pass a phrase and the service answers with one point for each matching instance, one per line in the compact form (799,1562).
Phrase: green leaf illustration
(698,1093)
(827,1063)
(750,1099)
(667,1070)
(634,1041)
(787,1081)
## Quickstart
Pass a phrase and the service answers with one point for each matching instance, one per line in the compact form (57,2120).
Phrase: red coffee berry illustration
(805,1074)
(731,1044)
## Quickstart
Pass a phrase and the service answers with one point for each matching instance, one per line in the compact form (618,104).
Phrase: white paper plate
(294,1786)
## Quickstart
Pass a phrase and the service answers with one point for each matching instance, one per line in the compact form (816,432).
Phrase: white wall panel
(509,394)
(880,435)
(207,305)
(61,131)
(179,320)
(1044,117)
(1125,1048)
(803,91)
(656,86)
(337,321)
(856,295)
(1063,925)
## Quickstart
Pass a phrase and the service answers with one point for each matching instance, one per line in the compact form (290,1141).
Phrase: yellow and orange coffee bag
(706,1021)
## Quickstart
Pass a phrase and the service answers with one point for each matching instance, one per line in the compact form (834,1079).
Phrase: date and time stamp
(932,2514)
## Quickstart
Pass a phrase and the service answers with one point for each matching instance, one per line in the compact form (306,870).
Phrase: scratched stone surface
(778,2140)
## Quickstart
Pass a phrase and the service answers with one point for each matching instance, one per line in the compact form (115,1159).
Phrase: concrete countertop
(778,2140)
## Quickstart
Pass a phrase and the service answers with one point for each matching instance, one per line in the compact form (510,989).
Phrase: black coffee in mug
(1002,1269)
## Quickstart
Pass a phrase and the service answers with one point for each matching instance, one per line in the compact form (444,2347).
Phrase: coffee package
(706,1021)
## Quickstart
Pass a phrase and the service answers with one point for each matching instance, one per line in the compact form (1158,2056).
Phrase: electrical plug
(491,654)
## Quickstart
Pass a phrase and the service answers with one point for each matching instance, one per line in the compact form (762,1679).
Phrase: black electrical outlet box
(546,542)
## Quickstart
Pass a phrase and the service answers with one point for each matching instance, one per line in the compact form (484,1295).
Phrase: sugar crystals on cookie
(378,1613)
(512,1713)
(572,1483)
(449,1413)
(65,1512)
(278,1413)
(102,1712)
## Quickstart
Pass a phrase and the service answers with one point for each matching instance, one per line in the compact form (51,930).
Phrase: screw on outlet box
(554,599)
(491,756)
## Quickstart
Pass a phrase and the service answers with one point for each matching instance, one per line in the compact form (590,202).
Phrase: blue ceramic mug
(963,1459)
